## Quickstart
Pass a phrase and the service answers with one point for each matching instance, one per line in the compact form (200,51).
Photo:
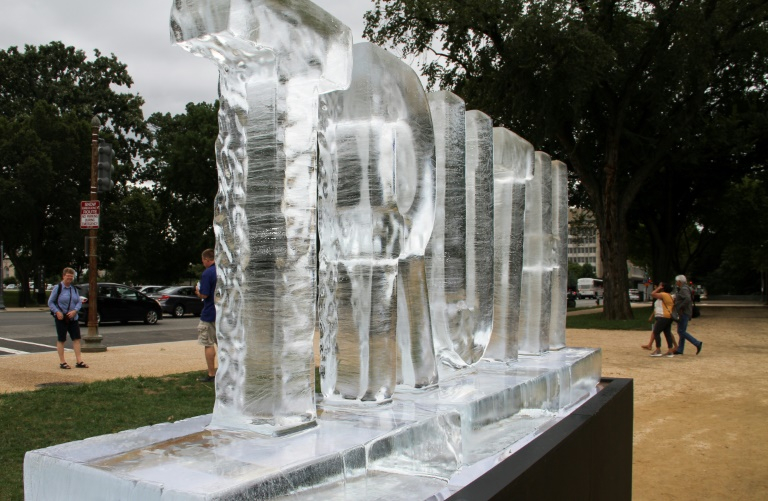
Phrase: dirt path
(700,427)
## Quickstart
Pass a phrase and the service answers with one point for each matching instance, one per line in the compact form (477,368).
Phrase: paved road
(33,332)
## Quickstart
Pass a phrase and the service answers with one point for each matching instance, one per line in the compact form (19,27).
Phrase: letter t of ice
(275,57)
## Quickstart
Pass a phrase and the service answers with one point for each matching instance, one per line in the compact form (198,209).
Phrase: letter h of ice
(274,58)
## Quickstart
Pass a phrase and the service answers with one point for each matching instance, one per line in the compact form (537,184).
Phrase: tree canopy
(47,99)
(637,96)
(176,205)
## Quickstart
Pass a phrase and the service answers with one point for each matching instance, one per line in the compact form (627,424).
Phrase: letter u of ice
(452,321)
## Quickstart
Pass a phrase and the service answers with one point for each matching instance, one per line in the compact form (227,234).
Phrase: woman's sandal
(64,366)
(646,346)
(81,365)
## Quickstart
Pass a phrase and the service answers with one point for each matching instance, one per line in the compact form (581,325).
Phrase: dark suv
(120,303)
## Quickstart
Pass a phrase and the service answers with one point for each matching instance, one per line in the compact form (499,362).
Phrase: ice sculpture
(513,165)
(376,211)
(560,242)
(274,58)
(479,179)
(538,260)
(452,322)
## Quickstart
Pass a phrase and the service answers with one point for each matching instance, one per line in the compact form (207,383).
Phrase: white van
(589,287)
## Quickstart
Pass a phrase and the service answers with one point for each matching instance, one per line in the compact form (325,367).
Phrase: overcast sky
(137,32)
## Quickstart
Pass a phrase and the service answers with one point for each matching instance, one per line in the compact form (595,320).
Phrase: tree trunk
(613,243)
(661,257)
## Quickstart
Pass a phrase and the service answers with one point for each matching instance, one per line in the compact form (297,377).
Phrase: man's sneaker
(207,379)
(678,353)
(698,348)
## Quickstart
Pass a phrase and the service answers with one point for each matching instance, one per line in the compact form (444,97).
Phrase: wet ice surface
(419,446)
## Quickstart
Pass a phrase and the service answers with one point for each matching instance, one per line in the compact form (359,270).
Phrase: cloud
(137,33)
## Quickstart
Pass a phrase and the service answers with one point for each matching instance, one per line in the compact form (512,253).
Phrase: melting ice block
(274,58)
(452,322)
(560,242)
(538,260)
(479,179)
(512,167)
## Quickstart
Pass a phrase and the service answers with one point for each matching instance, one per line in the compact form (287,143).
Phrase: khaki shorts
(206,333)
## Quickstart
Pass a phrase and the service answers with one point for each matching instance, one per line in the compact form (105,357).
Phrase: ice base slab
(423,445)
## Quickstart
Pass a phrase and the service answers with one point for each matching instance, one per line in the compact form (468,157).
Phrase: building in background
(584,247)
(583,241)
(8,269)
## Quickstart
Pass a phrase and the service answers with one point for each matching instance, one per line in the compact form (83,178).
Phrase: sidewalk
(26,372)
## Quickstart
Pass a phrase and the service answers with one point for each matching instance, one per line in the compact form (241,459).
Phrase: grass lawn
(50,416)
(11,298)
(597,321)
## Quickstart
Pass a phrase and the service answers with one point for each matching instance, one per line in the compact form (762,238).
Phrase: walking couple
(664,306)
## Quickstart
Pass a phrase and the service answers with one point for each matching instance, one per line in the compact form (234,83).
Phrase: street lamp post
(92,340)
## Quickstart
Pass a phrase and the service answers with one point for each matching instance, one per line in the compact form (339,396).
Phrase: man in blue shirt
(206,329)
(64,303)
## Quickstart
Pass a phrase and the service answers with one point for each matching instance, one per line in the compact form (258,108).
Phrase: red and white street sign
(89,215)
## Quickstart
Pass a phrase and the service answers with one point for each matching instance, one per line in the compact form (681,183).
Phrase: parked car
(179,300)
(11,287)
(120,303)
(150,289)
(634,295)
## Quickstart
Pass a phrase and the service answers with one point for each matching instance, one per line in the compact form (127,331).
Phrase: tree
(139,230)
(180,167)
(740,252)
(622,90)
(49,95)
(38,182)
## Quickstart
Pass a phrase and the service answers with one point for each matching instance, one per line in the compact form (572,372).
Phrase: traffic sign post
(89,220)
(89,215)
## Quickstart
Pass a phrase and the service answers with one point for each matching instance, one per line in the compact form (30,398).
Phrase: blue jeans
(682,327)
